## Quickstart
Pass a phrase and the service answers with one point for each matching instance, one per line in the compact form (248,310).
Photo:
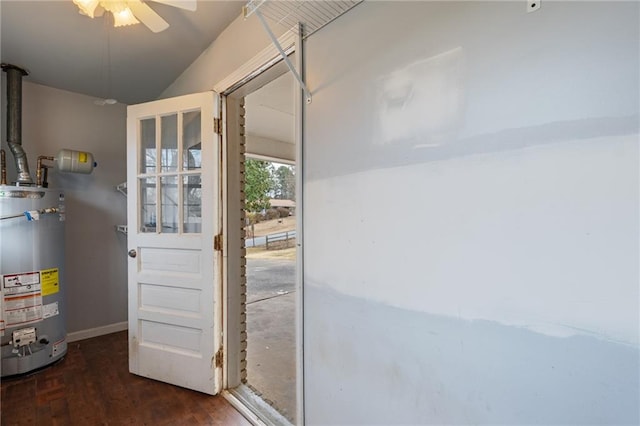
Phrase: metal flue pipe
(14,121)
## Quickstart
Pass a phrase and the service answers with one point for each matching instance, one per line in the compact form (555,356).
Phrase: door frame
(263,68)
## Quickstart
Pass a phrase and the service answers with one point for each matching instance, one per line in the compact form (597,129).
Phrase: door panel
(173,160)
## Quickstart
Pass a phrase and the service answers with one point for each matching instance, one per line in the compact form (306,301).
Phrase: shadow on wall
(417,368)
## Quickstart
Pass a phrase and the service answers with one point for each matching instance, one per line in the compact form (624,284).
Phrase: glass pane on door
(191,141)
(170,204)
(192,199)
(169,143)
(148,204)
(147,145)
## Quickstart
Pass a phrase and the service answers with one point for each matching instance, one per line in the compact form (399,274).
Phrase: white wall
(95,258)
(471,211)
(471,215)
(238,43)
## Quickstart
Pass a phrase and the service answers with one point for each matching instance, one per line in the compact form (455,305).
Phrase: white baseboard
(97,331)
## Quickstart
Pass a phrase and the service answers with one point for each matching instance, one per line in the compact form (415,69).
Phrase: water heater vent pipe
(14,121)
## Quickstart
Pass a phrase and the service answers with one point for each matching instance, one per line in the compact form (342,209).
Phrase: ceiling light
(128,12)
(122,14)
(87,7)
(123,18)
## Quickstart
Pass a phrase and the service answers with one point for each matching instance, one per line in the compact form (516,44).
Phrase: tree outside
(258,184)
(265,180)
(284,179)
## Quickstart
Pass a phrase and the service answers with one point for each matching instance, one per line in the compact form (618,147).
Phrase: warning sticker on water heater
(50,283)
(50,310)
(21,298)
(23,316)
(21,283)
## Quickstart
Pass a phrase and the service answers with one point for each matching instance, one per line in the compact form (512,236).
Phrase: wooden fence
(280,236)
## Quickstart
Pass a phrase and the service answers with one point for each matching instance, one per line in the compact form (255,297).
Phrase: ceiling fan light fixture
(122,14)
(124,17)
(87,7)
(129,12)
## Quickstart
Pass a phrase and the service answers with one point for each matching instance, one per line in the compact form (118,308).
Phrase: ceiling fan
(129,12)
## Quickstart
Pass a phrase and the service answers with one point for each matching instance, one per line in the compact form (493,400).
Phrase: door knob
(132,253)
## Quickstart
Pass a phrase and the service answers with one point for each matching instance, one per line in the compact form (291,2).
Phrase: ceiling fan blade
(147,16)
(182,4)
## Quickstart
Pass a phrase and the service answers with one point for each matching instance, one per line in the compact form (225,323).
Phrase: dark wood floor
(93,386)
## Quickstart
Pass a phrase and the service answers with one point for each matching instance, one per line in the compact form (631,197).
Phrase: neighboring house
(502,285)
(287,204)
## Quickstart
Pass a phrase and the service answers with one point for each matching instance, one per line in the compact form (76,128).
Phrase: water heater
(32,324)
(32,286)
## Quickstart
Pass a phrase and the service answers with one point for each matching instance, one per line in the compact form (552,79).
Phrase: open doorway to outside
(265,376)
(270,224)
(271,276)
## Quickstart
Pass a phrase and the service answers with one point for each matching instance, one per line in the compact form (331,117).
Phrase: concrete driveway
(271,328)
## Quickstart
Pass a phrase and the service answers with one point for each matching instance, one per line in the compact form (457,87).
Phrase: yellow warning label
(82,157)
(49,281)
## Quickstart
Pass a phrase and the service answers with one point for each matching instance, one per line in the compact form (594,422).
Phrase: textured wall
(471,215)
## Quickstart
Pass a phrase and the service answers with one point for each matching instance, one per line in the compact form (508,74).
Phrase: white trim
(256,65)
(299,132)
(97,331)
(263,61)
(242,408)
(265,413)
(232,254)
(224,178)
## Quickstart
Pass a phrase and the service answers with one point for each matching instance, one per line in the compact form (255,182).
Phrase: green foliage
(258,184)
(263,181)
(284,180)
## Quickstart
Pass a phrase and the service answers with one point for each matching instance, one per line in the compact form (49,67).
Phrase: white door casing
(174,214)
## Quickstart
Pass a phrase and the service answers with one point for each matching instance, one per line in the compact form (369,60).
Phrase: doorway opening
(262,302)
(271,298)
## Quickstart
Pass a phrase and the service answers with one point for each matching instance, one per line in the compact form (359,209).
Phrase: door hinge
(217,242)
(219,358)
(217,125)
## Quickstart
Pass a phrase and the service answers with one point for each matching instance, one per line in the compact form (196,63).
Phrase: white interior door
(173,163)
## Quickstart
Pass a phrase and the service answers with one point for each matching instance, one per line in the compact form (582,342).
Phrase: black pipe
(14,121)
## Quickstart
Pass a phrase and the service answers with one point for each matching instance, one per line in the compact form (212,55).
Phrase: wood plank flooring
(92,386)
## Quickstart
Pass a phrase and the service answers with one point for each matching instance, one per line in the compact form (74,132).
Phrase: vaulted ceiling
(64,49)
